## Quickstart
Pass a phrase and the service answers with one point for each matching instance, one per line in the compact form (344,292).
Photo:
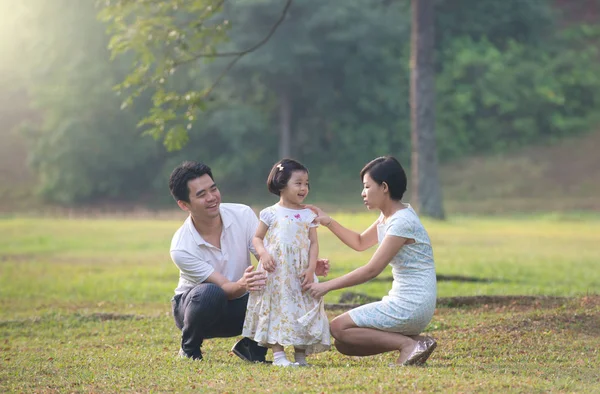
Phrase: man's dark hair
(281,173)
(389,170)
(182,174)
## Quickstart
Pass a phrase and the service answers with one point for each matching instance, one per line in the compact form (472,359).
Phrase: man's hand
(254,280)
(322,267)
(267,262)
(317,290)
(308,276)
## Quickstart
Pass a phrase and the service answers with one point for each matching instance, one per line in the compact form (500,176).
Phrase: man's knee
(206,298)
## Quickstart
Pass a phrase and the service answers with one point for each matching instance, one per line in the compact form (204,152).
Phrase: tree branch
(245,51)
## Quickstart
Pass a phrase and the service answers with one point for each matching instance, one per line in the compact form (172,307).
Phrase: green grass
(84,306)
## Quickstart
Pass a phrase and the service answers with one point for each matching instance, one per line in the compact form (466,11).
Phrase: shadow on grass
(83,318)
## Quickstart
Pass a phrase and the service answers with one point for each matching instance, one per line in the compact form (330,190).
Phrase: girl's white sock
(280,360)
(300,358)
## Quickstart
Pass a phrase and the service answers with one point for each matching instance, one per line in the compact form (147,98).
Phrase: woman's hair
(281,173)
(387,169)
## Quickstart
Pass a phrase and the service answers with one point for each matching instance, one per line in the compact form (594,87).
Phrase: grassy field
(84,306)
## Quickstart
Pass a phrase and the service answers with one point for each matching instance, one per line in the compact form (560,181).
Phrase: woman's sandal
(421,352)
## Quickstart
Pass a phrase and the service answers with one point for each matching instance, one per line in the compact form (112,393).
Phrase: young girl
(286,241)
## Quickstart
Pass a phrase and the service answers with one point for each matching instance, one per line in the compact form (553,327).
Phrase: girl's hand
(267,262)
(308,276)
(322,217)
(317,290)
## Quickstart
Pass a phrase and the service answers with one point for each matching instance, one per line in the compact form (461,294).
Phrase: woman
(395,322)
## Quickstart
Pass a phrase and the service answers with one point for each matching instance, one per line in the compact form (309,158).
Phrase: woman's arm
(390,246)
(356,241)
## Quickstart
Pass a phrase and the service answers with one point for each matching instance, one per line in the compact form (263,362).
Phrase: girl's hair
(387,169)
(281,173)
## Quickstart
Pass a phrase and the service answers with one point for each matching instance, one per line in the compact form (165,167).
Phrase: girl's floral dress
(282,313)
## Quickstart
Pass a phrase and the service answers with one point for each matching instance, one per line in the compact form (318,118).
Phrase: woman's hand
(317,290)
(322,267)
(322,217)
(267,262)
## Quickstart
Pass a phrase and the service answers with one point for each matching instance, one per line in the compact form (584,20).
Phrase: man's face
(205,198)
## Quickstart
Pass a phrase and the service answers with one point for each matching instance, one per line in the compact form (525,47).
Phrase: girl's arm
(258,242)
(356,241)
(390,246)
(313,254)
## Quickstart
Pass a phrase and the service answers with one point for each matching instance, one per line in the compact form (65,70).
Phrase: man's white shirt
(198,259)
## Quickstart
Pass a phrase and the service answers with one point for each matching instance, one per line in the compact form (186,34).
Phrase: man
(212,251)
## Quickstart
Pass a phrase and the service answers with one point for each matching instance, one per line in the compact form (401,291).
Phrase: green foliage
(529,22)
(164,39)
(494,99)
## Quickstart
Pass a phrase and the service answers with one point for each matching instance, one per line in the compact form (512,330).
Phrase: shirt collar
(226,218)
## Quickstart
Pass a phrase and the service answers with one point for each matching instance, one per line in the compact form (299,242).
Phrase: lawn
(84,306)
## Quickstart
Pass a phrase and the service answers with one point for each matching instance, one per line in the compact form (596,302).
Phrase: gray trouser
(205,312)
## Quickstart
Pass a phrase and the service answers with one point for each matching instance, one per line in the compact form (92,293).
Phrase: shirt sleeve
(192,268)
(311,217)
(401,227)
(266,216)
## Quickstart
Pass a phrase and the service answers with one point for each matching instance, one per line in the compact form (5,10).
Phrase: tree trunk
(426,190)
(285,125)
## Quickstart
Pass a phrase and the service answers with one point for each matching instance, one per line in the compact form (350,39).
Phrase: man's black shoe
(197,357)
(248,350)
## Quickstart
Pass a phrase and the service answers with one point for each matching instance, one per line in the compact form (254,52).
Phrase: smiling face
(373,194)
(205,198)
(296,189)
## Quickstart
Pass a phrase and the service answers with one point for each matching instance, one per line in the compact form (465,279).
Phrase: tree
(330,76)
(426,190)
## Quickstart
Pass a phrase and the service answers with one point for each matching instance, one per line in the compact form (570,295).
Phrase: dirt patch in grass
(446,278)
(17,257)
(499,303)
(585,323)
(494,301)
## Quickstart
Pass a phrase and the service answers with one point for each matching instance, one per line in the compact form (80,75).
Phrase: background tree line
(330,87)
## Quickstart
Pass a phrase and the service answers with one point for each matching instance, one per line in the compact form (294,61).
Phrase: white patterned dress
(410,304)
(282,313)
